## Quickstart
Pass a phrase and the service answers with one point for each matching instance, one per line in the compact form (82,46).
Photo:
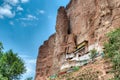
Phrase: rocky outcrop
(81,20)
(45,57)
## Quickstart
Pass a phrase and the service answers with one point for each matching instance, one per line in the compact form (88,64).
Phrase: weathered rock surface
(81,20)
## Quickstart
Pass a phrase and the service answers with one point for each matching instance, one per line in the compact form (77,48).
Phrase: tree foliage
(1,47)
(29,78)
(112,51)
(3,78)
(11,65)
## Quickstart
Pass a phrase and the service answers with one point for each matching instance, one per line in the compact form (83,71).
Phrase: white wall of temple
(70,55)
(85,57)
(77,59)
(68,65)
(95,46)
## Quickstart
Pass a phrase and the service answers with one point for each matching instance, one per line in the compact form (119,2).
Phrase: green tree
(11,65)
(1,48)
(3,78)
(112,51)
(29,78)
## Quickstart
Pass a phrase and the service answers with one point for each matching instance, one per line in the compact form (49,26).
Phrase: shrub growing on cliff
(112,51)
(11,65)
(93,53)
(76,68)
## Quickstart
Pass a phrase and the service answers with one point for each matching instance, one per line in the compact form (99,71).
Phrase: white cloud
(24,1)
(30,66)
(41,11)
(11,23)
(19,8)
(9,8)
(29,18)
(1,17)
(6,11)
(24,56)
(26,24)
(12,2)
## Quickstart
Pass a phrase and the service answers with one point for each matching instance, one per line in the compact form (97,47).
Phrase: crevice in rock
(69,27)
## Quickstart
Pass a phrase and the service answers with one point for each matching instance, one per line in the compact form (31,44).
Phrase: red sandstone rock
(81,20)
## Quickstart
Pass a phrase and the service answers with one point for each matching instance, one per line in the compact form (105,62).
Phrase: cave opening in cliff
(69,27)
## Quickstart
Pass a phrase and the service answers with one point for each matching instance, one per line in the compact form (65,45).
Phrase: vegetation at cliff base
(112,50)
(11,65)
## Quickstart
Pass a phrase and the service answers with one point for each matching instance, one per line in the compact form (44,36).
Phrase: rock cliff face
(81,20)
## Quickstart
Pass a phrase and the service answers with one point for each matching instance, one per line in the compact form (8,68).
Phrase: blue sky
(25,25)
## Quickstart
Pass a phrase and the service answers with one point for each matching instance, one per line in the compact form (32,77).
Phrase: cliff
(81,20)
